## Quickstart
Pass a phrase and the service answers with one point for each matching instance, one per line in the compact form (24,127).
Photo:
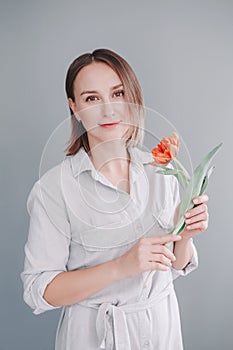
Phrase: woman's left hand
(197,218)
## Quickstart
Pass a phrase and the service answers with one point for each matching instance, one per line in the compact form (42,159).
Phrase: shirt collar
(81,162)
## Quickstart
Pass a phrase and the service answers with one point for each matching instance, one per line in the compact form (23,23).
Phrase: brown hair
(132,90)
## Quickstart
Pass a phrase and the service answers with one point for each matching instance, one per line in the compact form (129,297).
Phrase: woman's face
(100,99)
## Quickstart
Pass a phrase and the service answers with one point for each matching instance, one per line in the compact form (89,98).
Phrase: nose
(108,109)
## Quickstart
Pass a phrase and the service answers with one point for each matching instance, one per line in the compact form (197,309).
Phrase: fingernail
(195,201)
(187,214)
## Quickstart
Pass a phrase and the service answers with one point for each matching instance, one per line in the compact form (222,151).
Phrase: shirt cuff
(34,295)
(191,266)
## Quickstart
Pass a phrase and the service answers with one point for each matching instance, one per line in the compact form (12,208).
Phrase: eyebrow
(95,92)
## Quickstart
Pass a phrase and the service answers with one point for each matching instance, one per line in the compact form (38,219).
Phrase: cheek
(90,117)
(121,110)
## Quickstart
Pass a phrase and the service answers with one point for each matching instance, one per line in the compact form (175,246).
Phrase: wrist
(116,269)
(183,251)
(184,241)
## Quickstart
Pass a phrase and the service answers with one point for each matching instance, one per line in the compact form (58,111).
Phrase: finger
(164,239)
(196,210)
(161,249)
(200,225)
(160,258)
(153,265)
(200,217)
(201,199)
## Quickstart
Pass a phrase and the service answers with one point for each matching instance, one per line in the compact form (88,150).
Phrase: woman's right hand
(149,253)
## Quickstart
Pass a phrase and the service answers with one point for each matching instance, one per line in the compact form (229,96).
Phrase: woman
(99,223)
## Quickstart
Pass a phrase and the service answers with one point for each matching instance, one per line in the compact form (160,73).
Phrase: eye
(87,99)
(119,92)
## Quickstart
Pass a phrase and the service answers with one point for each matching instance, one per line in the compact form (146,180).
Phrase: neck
(110,156)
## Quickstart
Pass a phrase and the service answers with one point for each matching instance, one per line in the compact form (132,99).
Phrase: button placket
(145,330)
(146,343)
(139,227)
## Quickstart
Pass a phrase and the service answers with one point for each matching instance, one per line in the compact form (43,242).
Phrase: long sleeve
(47,246)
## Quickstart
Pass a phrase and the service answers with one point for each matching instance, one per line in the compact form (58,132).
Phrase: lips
(110,124)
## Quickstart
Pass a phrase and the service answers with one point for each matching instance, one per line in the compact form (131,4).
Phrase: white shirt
(79,219)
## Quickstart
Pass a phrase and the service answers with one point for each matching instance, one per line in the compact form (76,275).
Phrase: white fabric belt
(111,324)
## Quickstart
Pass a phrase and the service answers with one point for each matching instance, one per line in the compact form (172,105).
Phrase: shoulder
(45,202)
(49,179)
(49,184)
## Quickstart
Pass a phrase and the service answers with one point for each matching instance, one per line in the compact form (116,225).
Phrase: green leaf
(196,186)
(176,173)
(206,180)
(182,180)
(183,175)
(177,228)
(162,166)
(168,172)
(179,166)
(181,229)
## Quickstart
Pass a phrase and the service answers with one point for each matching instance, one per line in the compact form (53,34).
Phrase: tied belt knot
(111,324)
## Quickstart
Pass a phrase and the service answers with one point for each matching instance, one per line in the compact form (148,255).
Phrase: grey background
(182,53)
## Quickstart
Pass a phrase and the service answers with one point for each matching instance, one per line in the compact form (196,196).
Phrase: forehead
(96,75)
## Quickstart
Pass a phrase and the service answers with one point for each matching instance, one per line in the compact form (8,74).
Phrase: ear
(72,105)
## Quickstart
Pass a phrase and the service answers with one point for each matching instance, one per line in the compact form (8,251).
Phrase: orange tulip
(193,186)
(166,150)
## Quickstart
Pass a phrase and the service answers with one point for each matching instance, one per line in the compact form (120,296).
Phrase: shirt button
(139,228)
(146,343)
